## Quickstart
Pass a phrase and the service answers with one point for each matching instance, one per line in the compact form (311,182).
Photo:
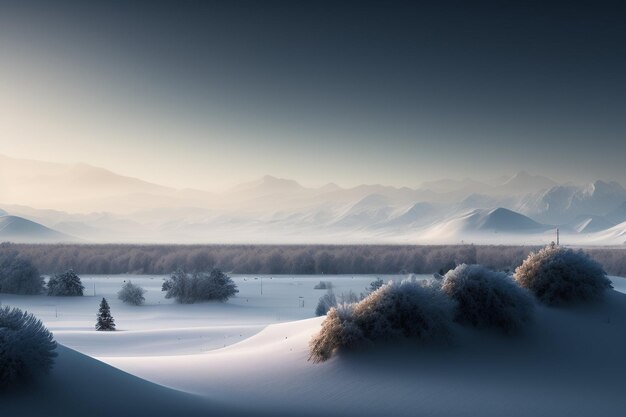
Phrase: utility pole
(557,236)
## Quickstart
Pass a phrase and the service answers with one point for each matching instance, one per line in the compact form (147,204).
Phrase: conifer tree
(66,284)
(105,320)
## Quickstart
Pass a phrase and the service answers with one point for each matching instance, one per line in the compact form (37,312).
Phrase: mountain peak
(331,186)
(272,180)
(268,184)
(526,176)
(505,220)
(607,185)
(524,182)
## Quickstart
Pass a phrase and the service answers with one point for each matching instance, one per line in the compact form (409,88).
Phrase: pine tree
(105,320)
(374,285)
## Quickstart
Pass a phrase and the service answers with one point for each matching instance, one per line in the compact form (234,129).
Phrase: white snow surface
(249,356)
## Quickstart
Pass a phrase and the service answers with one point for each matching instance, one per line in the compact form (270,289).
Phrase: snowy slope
(616,235)
(563,204)
(546,372)
(81,386)
(569,363)
(17,229)
(484,224)
(589,224)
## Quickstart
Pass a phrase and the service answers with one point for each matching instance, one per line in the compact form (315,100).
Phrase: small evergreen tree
(374,285)
(66,284)
(105,320)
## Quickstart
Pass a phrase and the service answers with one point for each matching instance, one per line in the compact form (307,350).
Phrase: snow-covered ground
(163,327)
(249,356)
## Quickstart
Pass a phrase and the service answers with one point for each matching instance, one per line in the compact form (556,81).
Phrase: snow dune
(570,363)
(80,386)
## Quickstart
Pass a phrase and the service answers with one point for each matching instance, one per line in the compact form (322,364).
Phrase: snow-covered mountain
(565,203)
(615,235)
(524,183)
(98,205)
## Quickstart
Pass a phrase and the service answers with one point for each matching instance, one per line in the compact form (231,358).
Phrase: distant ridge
(500,220)
(19,230)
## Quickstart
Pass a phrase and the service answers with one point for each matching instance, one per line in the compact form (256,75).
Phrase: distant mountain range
(44,202)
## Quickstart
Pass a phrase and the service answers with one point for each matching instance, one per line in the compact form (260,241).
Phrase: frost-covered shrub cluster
(199,286)
(18,275)
(396,310)
(26,347)
(326,302)
(488,299)
(560,276)
(323,285)
(65,284)
(131,294)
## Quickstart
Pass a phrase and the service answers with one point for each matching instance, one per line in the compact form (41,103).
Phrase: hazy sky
(207,94)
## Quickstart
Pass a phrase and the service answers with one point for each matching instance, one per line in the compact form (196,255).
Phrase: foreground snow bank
(81,386)
(544,372)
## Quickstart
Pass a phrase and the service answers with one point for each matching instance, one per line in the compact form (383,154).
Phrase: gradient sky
(208,94)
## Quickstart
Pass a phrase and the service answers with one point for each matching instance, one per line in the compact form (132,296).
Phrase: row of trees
(270,259)
(18,275)
(288,259)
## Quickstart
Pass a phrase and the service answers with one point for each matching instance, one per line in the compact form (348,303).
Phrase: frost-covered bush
(559,276)
(26,347)
(488,299)
(131,294)
(65,284)
(18,275)
(339,330)
(199,286)
(323,285)
(416,310)
(325,303)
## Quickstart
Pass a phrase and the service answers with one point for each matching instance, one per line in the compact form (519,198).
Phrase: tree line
(285,259)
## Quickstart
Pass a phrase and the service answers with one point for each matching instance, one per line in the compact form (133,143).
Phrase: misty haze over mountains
(49,202)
